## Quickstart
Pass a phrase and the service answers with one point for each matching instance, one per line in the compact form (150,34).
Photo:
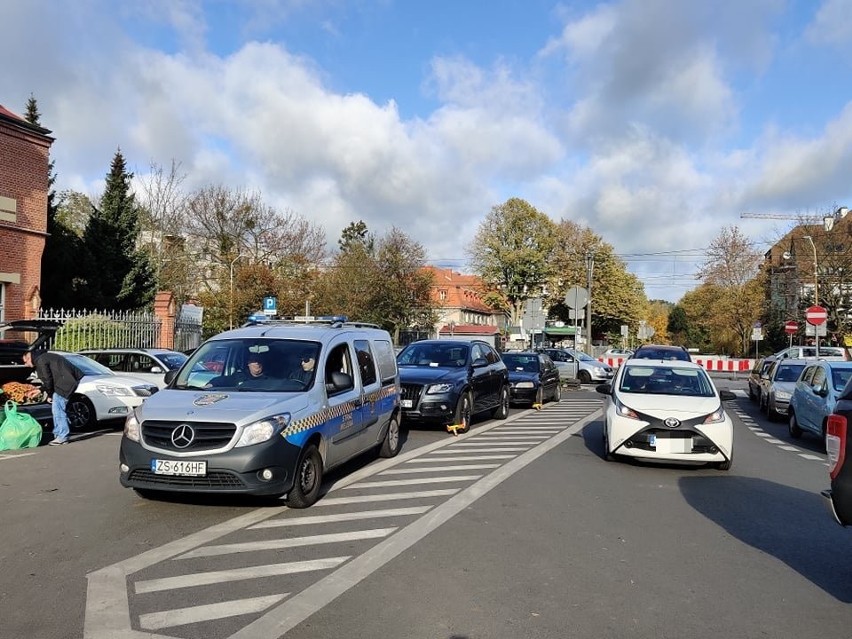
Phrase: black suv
(451,380)
(662,352)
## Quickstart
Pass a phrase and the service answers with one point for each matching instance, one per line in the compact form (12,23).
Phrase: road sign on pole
(816,315)
(791,328)
(270,305)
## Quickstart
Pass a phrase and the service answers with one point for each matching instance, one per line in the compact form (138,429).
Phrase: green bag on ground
(18,430)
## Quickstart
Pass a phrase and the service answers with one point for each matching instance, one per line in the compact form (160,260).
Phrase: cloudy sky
(655,122)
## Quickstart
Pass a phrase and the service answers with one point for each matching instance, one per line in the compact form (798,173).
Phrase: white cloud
(832,25)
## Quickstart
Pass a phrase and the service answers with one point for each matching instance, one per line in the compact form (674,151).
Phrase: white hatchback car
(102,395)
(667,411)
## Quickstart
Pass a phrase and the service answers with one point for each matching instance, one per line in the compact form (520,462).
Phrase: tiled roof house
(462,311)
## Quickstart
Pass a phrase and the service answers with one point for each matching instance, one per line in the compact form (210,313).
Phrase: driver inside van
(256,377)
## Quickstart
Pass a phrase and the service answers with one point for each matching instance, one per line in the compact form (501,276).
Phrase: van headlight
(263,430)
(131,427)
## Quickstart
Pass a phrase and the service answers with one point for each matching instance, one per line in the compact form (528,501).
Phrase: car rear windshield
(789,372)
(521,363)
(662,353)
(839,377)
(661,380)
(434,355)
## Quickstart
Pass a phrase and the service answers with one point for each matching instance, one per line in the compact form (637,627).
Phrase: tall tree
(512,253)
(731,269)
(63,251)
(118,274)
(356,233)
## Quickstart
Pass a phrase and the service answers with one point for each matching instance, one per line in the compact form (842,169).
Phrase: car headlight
(263,430)
(783,394)
(623,411)
(131,427)
(114,391)
(524,385)
(715,417)
(435,389)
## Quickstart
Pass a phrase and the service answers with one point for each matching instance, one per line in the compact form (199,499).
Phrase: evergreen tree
(61,259)
(118,275)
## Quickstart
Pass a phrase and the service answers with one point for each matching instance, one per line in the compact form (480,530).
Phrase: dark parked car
(661,352)
(450,380)
(838,445)
(533,378)
(756,377)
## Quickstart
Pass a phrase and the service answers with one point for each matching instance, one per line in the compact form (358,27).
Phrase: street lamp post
(231,298)
(590,268)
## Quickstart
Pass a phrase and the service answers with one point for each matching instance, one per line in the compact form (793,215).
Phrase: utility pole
(590,268)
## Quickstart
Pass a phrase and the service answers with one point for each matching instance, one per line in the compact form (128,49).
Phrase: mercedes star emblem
(183,436)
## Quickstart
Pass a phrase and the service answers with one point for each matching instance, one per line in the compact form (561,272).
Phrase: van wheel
(308,480)
(502,410)
(793,426)
(390,444)
(463,412)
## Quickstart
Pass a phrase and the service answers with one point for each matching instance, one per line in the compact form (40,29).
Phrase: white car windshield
(660,380)
(87,365)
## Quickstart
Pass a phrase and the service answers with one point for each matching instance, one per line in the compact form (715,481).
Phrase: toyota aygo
(667,411)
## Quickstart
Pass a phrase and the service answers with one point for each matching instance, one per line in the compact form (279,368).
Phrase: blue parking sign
(270,305)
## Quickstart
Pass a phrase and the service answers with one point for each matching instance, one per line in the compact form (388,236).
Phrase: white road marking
(762,434)
(755,429)
(490,443)
(773,441)
(330,519)
(790,448)
(237,574)
(814,457)
(485,449)
(15,456)
(493,436)
(209,612)
(293,542)
(458,459)
(364,499)
(412,481)
(502,430)
(429,469)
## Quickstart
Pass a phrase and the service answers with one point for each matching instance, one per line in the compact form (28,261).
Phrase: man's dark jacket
(56,373)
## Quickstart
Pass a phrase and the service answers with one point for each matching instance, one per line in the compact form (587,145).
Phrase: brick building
(462,311)
(24,174)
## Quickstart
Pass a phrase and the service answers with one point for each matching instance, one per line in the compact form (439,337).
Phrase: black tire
(608,456)
(764,404)
(390,444)
(557,392)
(502,410)
(584,377)
(81,413)
(793,425)
(308,480)
(772,414)
(725,465)
(463,412)
(751,394)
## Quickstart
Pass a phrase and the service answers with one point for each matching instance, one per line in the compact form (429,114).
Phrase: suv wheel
(502,410)
(463,409)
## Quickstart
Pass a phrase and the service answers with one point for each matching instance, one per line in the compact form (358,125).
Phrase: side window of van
(366,365)
(386,360)
(339,361)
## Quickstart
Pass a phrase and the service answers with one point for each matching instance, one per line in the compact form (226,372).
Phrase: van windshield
(251,365)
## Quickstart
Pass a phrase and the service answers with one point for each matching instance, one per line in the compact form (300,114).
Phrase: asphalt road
(518,529)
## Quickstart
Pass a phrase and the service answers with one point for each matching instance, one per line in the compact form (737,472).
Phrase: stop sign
(816,315)
(791,328)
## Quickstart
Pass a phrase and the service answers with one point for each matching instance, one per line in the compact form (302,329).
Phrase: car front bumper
(235,471)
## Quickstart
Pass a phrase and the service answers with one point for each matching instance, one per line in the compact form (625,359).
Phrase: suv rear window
(658,352)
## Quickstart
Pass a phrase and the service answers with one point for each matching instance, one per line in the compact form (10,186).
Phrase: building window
(442,295)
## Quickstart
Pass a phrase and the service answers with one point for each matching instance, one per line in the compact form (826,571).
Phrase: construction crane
(827,220)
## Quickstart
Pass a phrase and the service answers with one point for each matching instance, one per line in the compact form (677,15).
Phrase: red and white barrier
(707,363)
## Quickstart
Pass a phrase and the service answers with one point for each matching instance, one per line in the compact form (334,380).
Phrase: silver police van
(266,409)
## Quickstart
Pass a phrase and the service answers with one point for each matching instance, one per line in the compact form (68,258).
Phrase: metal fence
(120,329)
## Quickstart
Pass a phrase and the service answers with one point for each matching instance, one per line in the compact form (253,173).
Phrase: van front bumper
(237,471)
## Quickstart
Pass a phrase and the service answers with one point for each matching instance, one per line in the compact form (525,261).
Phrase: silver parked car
(779,381)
